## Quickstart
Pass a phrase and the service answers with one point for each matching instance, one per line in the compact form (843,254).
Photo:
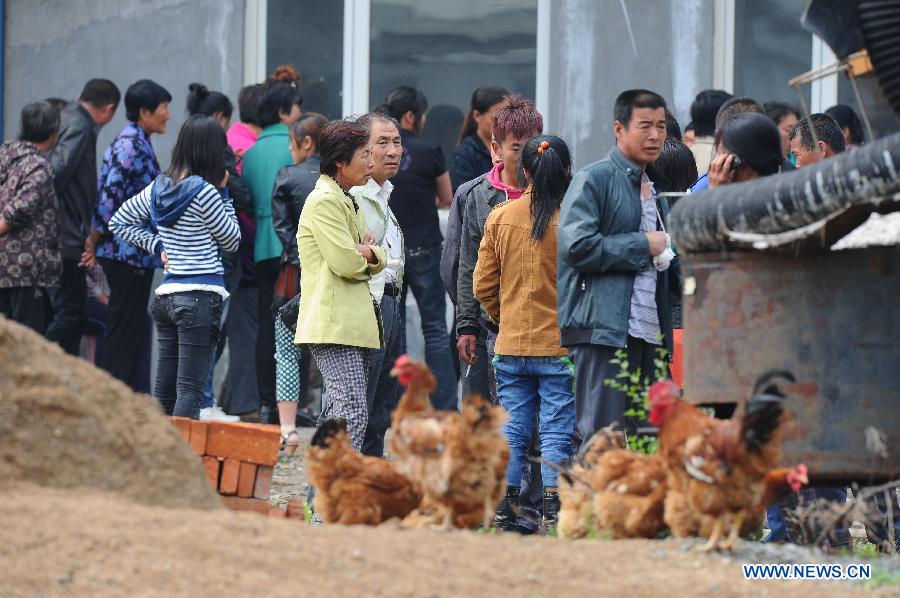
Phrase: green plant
(635,387)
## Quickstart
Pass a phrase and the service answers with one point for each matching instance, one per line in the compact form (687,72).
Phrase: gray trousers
(382,392)
(596,404)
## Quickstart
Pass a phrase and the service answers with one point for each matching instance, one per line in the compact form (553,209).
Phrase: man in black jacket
(74,161)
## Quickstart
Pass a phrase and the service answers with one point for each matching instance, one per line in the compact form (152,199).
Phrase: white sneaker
(216,414)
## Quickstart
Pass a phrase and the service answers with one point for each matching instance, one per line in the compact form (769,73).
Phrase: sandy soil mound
(66,424)
(88,543)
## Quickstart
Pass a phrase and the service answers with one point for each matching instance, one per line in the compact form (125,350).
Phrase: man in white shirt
(386,286)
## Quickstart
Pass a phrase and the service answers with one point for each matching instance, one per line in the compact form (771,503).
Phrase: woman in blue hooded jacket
(184,219)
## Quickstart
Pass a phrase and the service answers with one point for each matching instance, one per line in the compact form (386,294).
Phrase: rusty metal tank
(832,320)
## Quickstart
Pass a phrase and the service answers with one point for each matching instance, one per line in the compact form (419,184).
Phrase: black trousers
(68,303)
(596,404)
(267,273)
(25,305)
(127,338)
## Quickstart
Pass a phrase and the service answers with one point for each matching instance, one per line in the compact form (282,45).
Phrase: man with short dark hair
(29,239)
(829,139)
(703,115)
(74,161)
(615,265)
(386,287)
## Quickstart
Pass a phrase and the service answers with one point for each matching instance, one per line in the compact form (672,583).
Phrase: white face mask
(662,261)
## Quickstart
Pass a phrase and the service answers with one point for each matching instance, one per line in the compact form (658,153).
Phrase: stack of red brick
(238,458)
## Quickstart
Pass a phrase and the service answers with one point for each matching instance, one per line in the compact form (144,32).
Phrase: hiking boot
(551,508)
(505,519)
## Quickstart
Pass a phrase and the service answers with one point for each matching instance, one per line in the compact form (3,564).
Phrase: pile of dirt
(88,543)
(65,423)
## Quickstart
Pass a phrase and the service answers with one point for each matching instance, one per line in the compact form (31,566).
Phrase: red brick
(278,512)
(295,509)
(199,431)
(254,443)
(246,480)
(263,485)
(230,474)
(212,466)
(250,505)
(183,425)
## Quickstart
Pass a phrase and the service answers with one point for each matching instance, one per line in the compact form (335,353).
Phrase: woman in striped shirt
(184,218)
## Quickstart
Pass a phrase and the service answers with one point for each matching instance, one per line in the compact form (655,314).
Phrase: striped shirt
(643,320)
(192,244)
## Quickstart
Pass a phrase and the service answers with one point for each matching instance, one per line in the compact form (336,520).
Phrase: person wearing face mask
(129,165)
(337,318)
(615,264)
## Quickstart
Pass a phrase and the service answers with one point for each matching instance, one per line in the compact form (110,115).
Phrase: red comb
(403,360)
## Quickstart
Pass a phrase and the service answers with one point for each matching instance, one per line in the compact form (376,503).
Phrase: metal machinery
(764,290)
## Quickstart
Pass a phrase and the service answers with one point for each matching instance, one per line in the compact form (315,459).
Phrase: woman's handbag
(287,285)
(289,312)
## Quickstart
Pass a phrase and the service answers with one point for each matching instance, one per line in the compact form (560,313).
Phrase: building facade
(571,56)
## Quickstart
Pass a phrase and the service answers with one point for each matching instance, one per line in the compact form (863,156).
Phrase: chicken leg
(714,537)
(731,542)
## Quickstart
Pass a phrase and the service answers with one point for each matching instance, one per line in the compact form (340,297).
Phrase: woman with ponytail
(515,282)
(472,157)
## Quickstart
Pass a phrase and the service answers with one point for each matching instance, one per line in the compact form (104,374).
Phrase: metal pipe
(757,214)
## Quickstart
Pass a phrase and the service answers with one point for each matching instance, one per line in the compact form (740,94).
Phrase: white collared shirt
(392,238)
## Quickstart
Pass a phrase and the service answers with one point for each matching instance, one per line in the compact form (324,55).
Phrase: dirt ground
(92,543)
(100,497)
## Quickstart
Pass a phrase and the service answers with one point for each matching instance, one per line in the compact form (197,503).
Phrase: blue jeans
(382,391)
(545,385)
(187,328)
(422,276)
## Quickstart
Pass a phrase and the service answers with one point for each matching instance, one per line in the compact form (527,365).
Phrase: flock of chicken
(449,467)
(710,478)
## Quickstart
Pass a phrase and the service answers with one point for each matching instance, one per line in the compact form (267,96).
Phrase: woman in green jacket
(279,106)
(337,316)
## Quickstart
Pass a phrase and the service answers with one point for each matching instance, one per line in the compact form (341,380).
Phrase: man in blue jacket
(614,271)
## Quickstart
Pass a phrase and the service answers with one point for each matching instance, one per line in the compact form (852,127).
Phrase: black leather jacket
(237,190)
(292,186)
(74,161)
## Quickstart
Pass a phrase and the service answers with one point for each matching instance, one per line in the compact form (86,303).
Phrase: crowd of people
(296,239)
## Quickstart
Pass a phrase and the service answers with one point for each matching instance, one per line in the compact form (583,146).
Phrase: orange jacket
(515,281)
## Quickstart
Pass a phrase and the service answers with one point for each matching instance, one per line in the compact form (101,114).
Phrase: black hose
(755,213)
(880,23)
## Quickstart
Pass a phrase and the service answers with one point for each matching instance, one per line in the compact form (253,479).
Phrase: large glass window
(447,49)
(770,48)
(310,35)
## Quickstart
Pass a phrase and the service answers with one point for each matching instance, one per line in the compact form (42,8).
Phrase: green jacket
(336,306)
(260,167)
(599,251)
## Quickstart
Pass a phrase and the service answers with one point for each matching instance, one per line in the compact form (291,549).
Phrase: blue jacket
(600,249)
(470,160)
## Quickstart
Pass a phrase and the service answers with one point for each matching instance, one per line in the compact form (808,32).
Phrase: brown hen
(353,488)
(457,459)
(717,468)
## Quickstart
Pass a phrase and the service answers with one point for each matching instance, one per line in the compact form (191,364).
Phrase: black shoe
(305,419)
(551,508)
(267,415)
(505,519)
